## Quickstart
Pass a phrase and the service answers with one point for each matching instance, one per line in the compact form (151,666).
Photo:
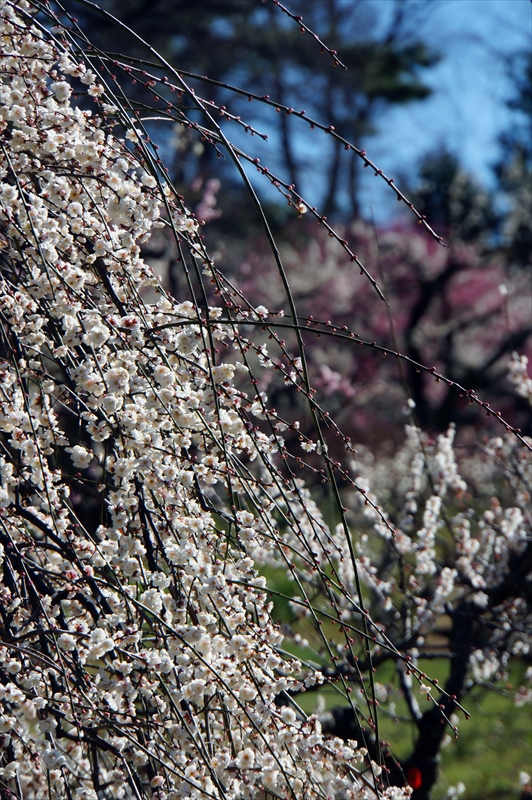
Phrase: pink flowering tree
(154,506)
(460,309)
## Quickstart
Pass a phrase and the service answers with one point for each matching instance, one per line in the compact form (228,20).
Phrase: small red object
(414,777)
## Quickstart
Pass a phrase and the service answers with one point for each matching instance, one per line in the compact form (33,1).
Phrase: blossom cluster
(461,544)
(139,657)
(429,290)
(519,376)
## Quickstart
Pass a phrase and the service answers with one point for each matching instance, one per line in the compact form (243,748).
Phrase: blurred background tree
(454,201)
(389,64)
(514,169)
(237,42)
(445,305)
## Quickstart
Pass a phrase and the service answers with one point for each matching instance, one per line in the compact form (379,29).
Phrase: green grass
(491,750)
(493,746)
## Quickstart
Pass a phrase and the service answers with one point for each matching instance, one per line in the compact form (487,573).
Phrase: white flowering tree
(147,492)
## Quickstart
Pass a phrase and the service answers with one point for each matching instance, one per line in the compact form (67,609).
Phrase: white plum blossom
(81,457)
(520,377)
(154,615)
(66,642)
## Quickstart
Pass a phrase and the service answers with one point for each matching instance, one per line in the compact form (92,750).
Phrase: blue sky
(467,110)
(465,114)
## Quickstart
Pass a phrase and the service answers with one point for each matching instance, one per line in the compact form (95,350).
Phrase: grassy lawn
(493,746)
(491,750)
